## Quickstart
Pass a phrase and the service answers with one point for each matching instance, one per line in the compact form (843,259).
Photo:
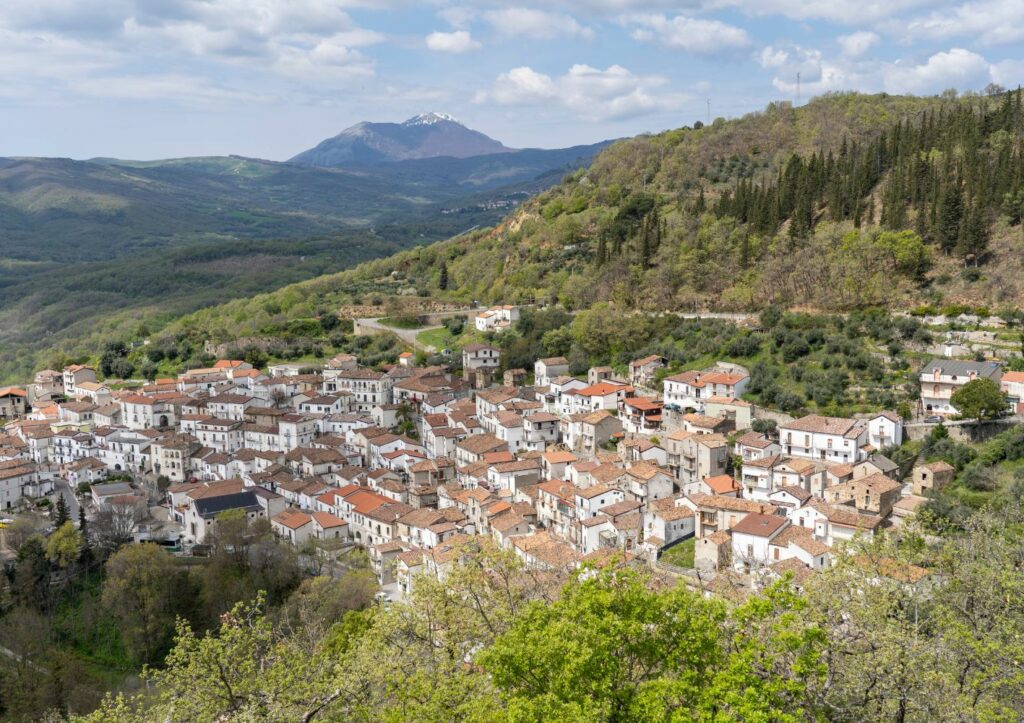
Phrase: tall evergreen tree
(61,514)
(948,218)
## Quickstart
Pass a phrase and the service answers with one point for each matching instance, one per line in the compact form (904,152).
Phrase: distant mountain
(430,135)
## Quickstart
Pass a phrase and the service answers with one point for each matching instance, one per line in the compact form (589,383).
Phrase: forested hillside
(850,202)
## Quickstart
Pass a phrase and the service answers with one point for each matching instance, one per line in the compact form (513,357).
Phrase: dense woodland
(946,174)
(83,611)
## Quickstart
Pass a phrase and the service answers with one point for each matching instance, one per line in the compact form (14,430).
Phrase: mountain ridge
(428,135)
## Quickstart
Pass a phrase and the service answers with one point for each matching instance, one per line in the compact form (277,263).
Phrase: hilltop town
(408,461)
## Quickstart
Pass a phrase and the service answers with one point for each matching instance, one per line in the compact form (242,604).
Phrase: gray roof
(955,367)
(212,506)
(883,463)
(112,488)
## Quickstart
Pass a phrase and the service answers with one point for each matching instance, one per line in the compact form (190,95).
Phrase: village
(410,462)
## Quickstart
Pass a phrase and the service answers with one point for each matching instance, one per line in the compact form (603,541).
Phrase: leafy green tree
(614,648)
(64,546)
(148,370)
(980,399)
(145,590)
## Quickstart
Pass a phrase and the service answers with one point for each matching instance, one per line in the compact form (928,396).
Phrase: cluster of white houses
(560,470)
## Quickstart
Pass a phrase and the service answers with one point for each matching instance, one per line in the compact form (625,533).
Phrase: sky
(147,79)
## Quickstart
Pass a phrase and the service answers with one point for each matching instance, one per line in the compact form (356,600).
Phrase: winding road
(64,490)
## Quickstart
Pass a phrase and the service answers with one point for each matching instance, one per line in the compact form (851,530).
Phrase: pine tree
(443,281)
(61,513)
(949,217)
(974,235)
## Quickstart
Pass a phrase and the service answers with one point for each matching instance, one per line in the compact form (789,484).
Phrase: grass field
(437,338)
(681,555)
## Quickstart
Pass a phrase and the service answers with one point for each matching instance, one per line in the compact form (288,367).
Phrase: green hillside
(87,247)
(850,202)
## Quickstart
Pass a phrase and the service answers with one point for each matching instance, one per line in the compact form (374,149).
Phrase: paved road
(64,489)
(409,335)
(406,335)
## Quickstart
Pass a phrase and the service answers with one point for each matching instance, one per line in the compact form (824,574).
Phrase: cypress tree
(948,218)
(61,513)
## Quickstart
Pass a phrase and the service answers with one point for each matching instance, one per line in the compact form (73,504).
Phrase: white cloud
(956,68)
(521,86)
(1009,73)
(459,17)
(313,40)
(693,35)
(856,44)
(458,41)
(848,12)
(537,24)
(163,88)
(992,22)
(787,61)
(329,61)
(590,93)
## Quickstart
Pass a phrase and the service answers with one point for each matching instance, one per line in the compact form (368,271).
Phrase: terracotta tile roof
(799,492)
(792,565)
(596,417)
(607,473)
(802,538)
(733,504)
(721,484)
(480,443)
(602,389)
(326,520)
(760,525)
(565,491)
(671,513)
(292,519)
(506,521)
(754,440)
(646,360)
(593,491)
(818,424)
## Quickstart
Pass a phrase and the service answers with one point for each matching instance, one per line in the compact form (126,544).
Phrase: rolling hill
(84,241)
